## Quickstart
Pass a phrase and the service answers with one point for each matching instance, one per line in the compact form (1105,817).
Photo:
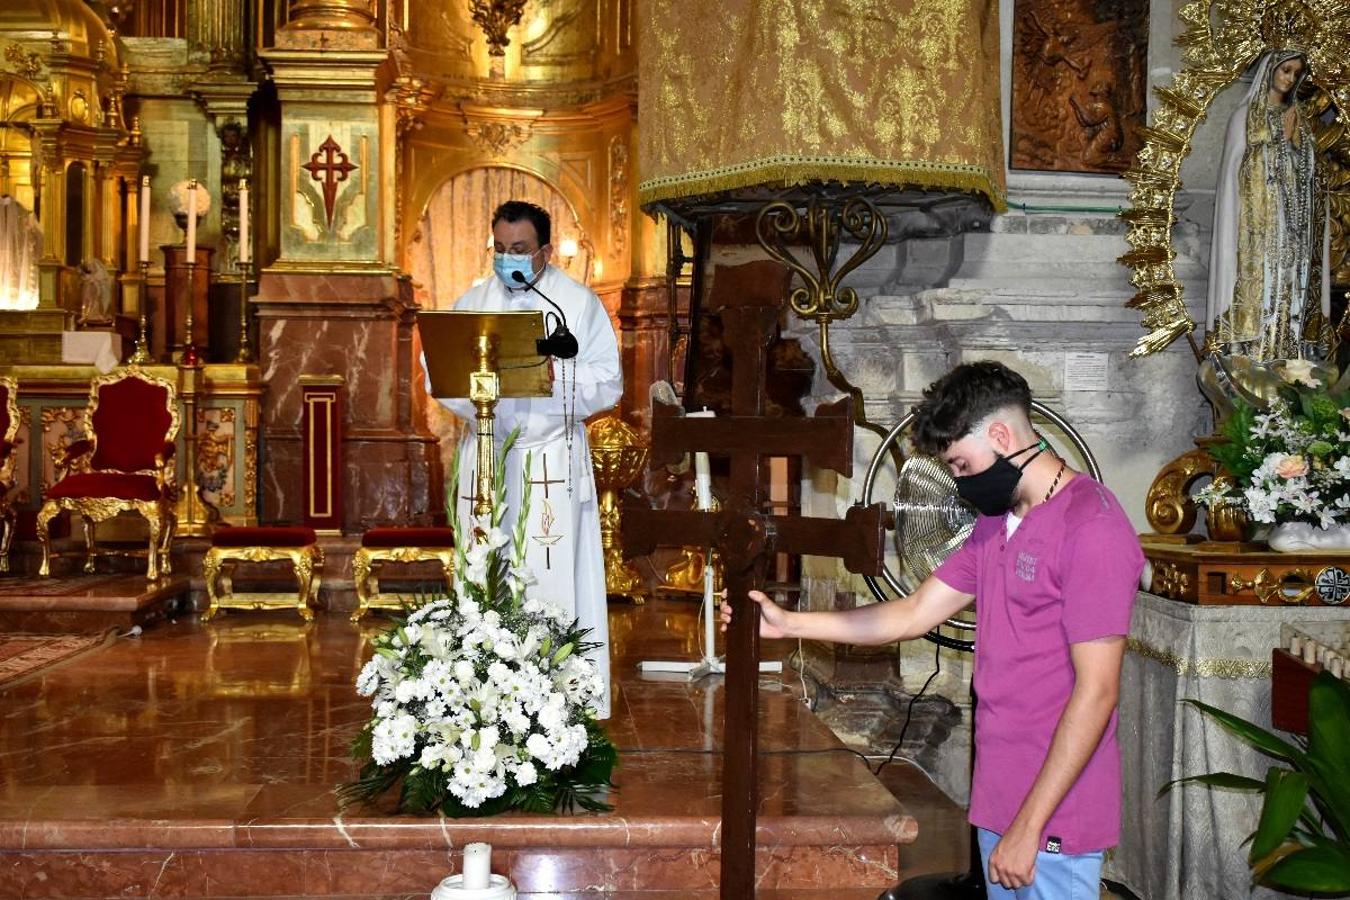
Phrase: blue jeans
(1058,877)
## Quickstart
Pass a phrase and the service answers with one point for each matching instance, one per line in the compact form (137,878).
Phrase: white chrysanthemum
(525,774)
(393,738)
(369,679)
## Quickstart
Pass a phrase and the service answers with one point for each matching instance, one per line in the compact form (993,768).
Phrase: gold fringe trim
(793,170)
(1204,667)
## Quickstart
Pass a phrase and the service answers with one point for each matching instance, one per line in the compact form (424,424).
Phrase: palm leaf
(1267,742)
(1286,793)
(1322,868)
(1329,748)
(1217,779)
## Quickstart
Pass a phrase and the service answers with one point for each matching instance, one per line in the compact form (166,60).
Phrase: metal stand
(710,664)
(142,355)
(245,354)
(190,358)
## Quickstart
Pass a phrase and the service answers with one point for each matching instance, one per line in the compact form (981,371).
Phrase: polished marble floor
(128,768)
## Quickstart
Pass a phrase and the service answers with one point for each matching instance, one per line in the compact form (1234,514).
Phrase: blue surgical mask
(506,263)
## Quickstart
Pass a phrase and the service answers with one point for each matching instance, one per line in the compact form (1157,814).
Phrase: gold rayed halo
(1222,39)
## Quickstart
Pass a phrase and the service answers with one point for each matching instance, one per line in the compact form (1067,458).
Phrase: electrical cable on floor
(937,667)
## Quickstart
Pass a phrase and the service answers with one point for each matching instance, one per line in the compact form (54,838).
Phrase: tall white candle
(192,221)
(144,253)
(243,221)
(702,469)
(477,866)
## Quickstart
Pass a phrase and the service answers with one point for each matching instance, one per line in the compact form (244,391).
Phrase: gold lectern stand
(484,357)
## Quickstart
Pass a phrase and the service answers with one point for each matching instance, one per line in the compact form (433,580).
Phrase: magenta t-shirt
(1068,574)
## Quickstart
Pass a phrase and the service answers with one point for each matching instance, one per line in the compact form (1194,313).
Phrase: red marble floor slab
(85,603)
(201,761)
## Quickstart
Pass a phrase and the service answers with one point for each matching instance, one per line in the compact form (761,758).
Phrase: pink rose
(1292,467)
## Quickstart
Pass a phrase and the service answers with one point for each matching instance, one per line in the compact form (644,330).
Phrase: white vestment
(563,526)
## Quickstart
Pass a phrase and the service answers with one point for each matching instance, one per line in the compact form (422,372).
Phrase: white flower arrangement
(178,199)
(1289,462)
(483,701)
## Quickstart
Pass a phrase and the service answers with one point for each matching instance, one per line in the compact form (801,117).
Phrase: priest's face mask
(516,249)
(987,467)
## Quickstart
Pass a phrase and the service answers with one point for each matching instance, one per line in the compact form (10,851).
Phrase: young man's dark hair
(956,404)
(515,210)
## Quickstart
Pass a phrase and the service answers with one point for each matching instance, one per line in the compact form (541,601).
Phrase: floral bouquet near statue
(1288,463)
(483,701)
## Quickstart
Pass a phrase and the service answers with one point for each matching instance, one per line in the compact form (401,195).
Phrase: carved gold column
(618,454)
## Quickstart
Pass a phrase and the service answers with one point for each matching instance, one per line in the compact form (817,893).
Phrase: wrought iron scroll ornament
(1221,40)
(822,297)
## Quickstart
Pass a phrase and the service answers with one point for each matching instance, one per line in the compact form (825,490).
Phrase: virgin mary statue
(1269,287)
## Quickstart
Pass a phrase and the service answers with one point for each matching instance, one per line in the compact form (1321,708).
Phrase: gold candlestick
(142,355)
(190,357)
(245,354)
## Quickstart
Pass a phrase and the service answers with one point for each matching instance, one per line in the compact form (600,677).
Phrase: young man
(1052,566)
(563,523)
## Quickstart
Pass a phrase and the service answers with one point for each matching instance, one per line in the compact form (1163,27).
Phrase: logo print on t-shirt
(1026,566)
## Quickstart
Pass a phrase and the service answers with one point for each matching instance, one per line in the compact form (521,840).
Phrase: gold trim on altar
(1202,666)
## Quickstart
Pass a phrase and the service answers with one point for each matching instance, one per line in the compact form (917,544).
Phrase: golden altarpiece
(356,124)
(1222,40)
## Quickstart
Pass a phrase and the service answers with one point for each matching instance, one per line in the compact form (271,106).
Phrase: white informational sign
(1086,371)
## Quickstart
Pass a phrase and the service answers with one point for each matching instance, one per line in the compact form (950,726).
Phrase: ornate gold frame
(218,570)
(1222,38)
(7,470)
(161,515)
(365,573)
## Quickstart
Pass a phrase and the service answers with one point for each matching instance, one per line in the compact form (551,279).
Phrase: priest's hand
(1013,862)
(773,619)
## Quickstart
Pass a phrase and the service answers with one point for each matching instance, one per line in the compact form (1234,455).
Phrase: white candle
(243,220)
(702,469)
(144,255)
(192,222)
(477,867)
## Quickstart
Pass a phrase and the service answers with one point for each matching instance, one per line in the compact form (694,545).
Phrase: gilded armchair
(125,464)
(9,440)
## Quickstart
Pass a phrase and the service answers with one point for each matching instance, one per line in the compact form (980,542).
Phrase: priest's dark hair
(959,401)
(515,210)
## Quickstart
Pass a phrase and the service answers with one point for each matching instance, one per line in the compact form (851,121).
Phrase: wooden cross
(333,172)
(747,538)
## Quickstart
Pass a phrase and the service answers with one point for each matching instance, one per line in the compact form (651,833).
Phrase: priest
(563,524)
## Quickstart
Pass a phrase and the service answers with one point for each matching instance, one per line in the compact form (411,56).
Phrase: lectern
(484,357)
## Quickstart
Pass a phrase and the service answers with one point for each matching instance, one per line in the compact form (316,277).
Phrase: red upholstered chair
(381,546)
(124,464)
(9,441)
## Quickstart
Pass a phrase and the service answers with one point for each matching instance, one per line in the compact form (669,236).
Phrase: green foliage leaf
(1217,779)
(1286,792)
(1329,748)
(1322,868)
(1265,741)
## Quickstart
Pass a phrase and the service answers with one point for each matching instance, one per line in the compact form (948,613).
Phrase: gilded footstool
(230,546)
(380,546)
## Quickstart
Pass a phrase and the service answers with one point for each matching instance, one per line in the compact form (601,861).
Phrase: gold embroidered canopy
(745,93)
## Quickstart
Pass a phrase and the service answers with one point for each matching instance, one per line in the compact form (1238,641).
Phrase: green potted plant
(1302,839)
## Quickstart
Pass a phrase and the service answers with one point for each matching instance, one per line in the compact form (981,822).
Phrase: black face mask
(991,491)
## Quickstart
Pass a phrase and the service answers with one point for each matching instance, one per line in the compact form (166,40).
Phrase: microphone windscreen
(517,276)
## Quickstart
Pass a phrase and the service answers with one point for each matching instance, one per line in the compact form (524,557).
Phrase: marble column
(359,326)
(330,302)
